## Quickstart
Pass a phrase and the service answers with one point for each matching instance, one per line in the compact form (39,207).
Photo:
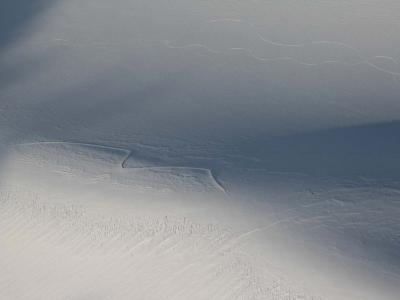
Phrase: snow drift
(199,150)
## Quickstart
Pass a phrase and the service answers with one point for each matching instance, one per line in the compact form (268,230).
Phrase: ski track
(363,59)
(251,54)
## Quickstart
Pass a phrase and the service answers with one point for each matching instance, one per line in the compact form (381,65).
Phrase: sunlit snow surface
(199,149)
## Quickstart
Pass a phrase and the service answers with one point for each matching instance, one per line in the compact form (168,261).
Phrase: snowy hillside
(199,150)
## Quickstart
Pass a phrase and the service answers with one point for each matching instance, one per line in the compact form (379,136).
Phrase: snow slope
(199,150)
(76,224)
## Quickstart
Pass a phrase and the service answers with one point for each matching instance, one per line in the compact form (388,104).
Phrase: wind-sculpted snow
(107,222)
(176,257)
(89,157)
(86,251)
(92,153)
(195,149)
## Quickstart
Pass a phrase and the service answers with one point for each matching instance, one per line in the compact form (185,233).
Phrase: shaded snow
(199,149)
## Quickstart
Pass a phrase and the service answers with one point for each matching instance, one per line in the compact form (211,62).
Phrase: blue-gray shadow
(16,16)
(371,150)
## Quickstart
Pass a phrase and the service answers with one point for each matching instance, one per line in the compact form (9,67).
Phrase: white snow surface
(199,150)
